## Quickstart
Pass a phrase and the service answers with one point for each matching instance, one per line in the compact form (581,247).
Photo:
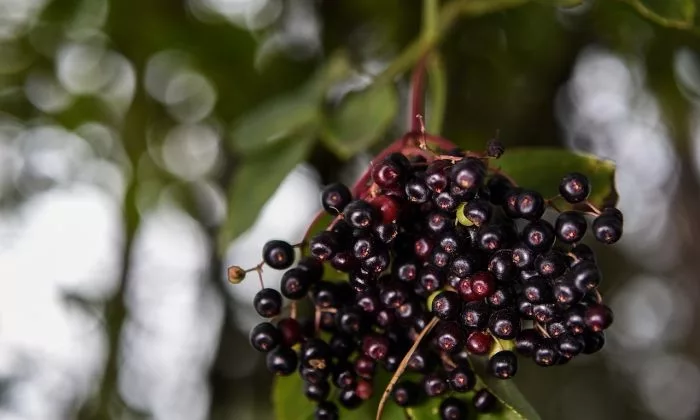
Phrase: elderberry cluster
(439,241)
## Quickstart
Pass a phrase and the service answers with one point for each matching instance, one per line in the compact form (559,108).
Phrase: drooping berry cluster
(441,241)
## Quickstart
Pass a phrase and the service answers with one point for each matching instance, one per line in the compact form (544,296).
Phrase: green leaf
(437,93)
(256,179)
(291,404)
(360,120)
(275,120)
(672,13)
(288,114)
(542,168)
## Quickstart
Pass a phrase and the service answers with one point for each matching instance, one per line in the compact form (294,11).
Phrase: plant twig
(403,365)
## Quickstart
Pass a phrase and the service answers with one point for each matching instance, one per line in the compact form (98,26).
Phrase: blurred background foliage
(147,145)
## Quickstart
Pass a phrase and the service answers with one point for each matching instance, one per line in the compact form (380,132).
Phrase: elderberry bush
(445,262)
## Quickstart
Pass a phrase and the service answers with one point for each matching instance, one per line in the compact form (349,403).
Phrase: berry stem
(258,269)
(293,310)
(541,329)
(598,295)
(404,363)
(447,360)
(417,94)
(595,210)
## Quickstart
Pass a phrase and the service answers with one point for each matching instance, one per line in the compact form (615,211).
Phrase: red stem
(417,94)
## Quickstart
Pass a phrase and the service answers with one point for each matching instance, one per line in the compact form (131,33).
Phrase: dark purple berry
(484,401)
(295,283)
(278,254)
(607,228)
(538,235)
(475,315)
(504,324)
(468,173)
(570,227)
(501,265)
(268,302)
(375,346)
(349,399)
(324,245)
(478,211)
(530,205)
(570,345)
(360,214)
(447,305)
(417,191)
(453,408)
(551,264)
(598,317)
(326,410)
(406,393)
(503,365)
(574,187)
(449,337)
(461,379)
(282,361)
(318,391)
(264,337)
(526,341)
(335,197)
(546,353)
(434,385)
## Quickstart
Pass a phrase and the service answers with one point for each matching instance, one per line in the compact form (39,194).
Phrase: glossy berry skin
(434,385)
(388,173)
(295,284)
(431,278)
(349,399)
(593,342)
(445,201)
(316,354)
(365,367)
(364,247)
(607,228)
(543,312)
(478,211)
(335,197)
(447,305)
(377,263)
(435,177)
(538,235)
(464,265)
(326,410)
(449,337)
(386,207)
(537,290)
(278,254)
(406,393)
(574,187)
(324,245)
(570,345)
(565,293)
(313,268)
(453,408)
(375,346)
(461,379)
(504,324)
(484,283)
(417,191)
(282,361)
(551,264)
(585,276)
(386,232)
(468,173)
(523,256)
(501,265)
(264,337)
(268,302)
(503,365)
(317,391)
(484,401)
(570,227)
(360,214)
(502,297)
(530,205)
(479,343)
(598,317)
(546,353)
(526,341)
(290,329)
(475,315)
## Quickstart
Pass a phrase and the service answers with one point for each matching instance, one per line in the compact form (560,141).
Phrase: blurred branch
(428,39)
(649,14)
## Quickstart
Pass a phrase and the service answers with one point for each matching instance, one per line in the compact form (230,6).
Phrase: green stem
(447,16)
